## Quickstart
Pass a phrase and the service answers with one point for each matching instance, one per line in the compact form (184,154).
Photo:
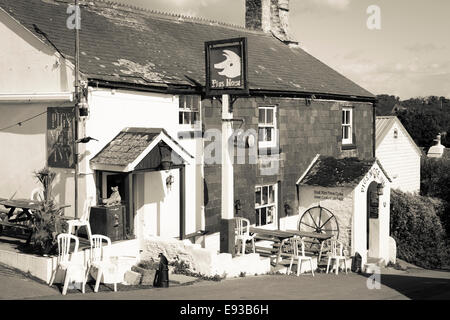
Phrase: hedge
(417,229)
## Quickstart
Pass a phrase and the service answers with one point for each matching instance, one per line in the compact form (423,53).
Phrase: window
(189,110)
(266,205)
(267,127)
(347,130)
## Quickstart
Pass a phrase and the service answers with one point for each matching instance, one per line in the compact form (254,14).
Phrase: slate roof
(127,146)
(331,172)
(125,44)
(382,126)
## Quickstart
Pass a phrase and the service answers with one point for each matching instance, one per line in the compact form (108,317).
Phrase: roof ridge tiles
(170,14)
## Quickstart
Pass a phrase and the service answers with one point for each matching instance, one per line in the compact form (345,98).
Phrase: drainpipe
(374,116)
(77,101)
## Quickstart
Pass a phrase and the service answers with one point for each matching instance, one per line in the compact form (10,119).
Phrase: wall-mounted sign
(329,195)
(226,67)
(60,133)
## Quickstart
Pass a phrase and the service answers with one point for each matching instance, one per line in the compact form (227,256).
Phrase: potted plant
(48,220)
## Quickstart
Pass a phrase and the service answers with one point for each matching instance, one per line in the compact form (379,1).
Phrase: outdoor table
(19,219)
(281,235)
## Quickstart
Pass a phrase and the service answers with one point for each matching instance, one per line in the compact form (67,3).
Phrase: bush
(417,229)
(435,182)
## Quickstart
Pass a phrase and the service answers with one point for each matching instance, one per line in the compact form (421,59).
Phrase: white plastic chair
(299,254)
(336,253)
(99,259)
(83,221)
(65,262)
(242,233)
(37,194)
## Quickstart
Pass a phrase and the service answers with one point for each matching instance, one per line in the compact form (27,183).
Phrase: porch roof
(326,171)
(128,150)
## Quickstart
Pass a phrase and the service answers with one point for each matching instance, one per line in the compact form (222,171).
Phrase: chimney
(271,16)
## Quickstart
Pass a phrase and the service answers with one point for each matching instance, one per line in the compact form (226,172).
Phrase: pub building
(153,109)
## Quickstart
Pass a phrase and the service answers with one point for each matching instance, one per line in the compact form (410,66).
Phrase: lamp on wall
(380,187)
(287,209)
(169,181)
(237,206)
(166,158)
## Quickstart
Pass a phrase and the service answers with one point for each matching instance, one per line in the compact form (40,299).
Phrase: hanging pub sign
(226,67)
(60,136)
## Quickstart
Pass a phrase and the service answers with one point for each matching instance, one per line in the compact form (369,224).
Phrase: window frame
(190,110)
(273,204)
(348,124)
(274,135)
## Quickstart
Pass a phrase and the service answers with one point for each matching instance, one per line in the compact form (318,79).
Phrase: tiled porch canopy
(139,149)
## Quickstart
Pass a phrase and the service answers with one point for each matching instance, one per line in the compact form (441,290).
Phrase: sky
(408,56)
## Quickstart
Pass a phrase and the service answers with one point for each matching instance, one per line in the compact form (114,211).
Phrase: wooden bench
(194,235)
(16,226)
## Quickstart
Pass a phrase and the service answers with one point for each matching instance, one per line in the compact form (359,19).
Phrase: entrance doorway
(372,217)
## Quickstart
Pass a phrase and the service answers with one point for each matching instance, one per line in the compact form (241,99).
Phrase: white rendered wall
(400,159)
(157,206)
(29,67)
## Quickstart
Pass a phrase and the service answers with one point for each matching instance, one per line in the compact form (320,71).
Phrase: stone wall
(304,131)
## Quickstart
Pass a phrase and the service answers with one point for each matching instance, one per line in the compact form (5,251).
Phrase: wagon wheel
(319,220)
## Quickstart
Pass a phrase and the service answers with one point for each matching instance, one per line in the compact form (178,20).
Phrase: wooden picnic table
(21,218)
(279,236)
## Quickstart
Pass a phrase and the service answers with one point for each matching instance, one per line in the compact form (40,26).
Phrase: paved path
(413,284)
(15,285)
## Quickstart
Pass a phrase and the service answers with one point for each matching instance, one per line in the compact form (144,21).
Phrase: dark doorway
(372,207)
(113,180)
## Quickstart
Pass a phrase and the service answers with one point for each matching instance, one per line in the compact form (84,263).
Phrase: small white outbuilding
(350,199)
(398,153)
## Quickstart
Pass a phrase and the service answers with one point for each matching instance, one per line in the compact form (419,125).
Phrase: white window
(266,205)
(189,111)
(347,127)
(267,127)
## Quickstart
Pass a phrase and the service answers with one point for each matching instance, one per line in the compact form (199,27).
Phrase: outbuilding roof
(124,44)
(326,171)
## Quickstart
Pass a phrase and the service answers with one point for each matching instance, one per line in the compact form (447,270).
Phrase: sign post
(226,75)
(227,160)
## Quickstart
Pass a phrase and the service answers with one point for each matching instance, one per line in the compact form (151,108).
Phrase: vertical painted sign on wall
(226,67)
(60,135)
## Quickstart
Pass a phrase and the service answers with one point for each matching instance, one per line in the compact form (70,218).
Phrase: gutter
(157,88)
(186,89)
(313,95)
(36,97)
